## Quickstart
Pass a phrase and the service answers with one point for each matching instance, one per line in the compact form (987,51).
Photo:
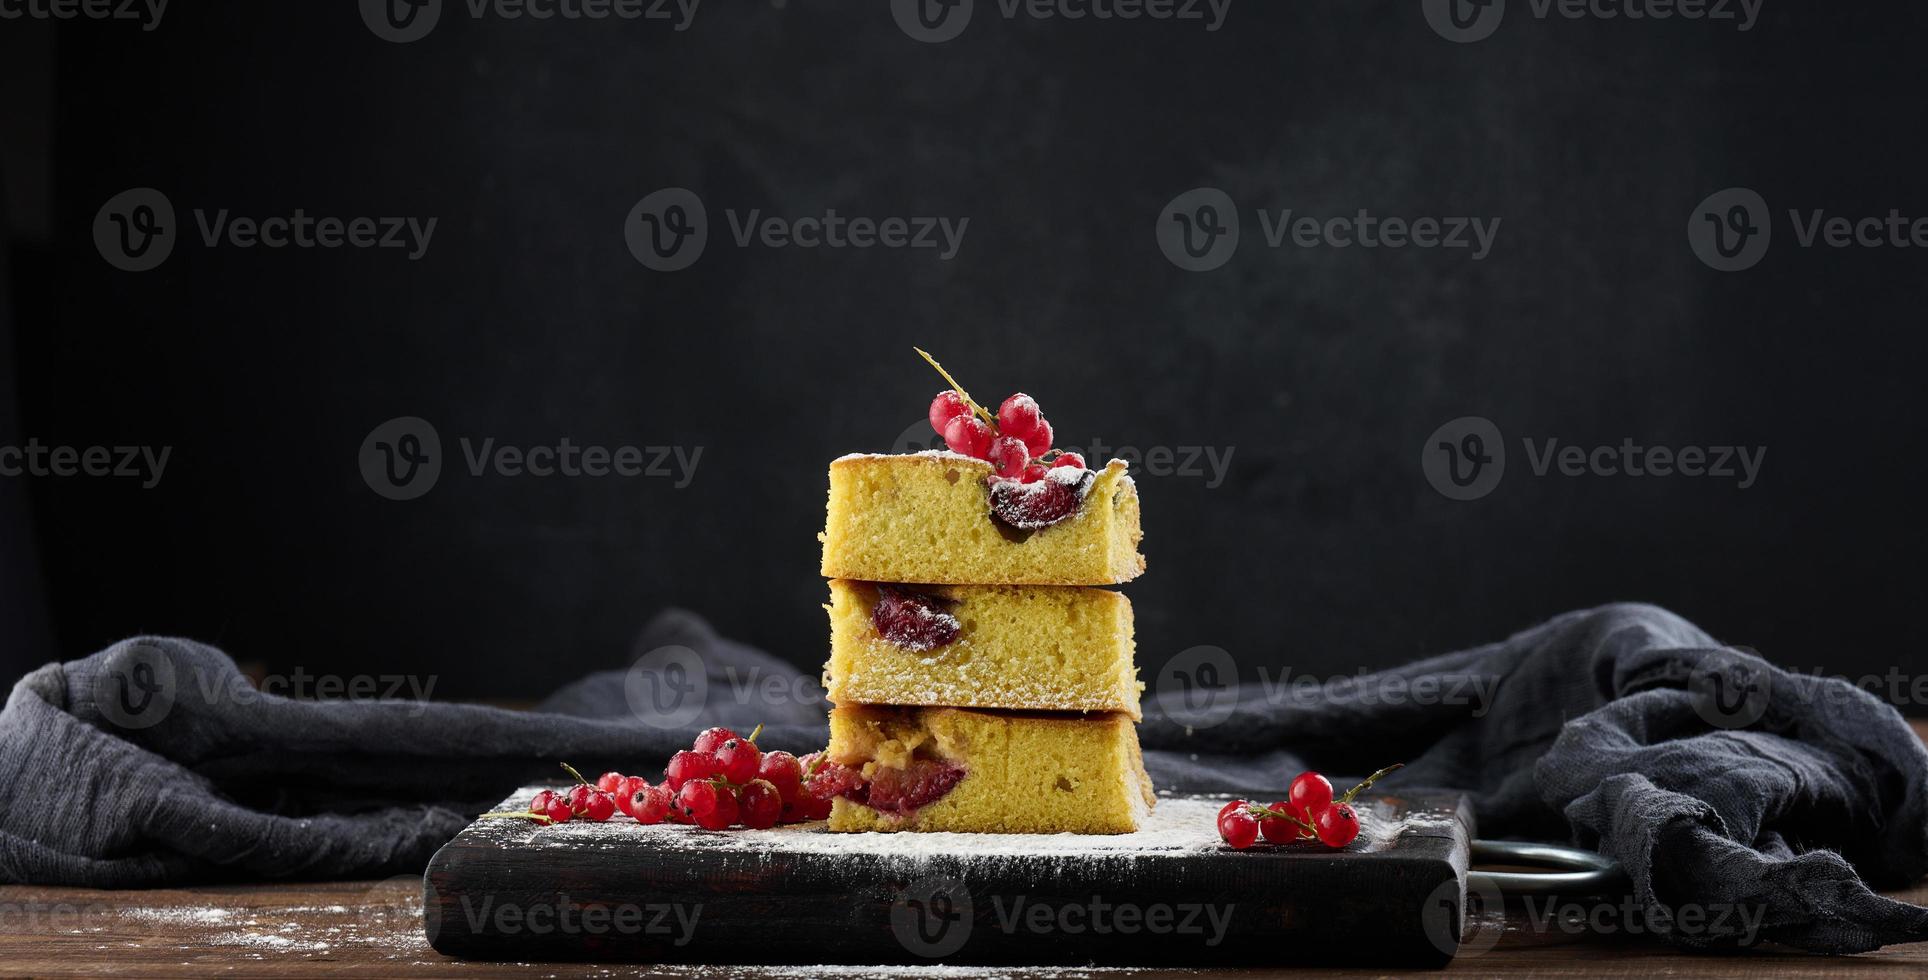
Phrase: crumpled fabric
(1715,779)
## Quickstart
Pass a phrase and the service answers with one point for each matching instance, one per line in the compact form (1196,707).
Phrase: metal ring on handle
(1590,874)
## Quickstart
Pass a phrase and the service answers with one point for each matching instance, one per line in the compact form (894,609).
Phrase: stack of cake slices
(979,681)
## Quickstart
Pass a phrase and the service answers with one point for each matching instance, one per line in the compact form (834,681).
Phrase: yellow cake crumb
(1039,649)
(926,517)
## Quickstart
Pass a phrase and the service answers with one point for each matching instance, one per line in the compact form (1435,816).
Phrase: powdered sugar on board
(1176,826)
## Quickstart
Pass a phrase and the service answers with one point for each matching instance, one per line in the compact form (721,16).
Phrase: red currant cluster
(1017,440)
(1307,813)
(720,781)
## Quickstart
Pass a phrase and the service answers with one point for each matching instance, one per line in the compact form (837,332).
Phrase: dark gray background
(1325,549)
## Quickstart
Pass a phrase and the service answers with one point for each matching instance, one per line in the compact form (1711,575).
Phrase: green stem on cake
(969,403)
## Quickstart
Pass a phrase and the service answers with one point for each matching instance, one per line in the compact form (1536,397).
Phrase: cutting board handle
(1582,873)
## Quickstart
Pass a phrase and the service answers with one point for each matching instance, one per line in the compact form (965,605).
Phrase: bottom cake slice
(956,769)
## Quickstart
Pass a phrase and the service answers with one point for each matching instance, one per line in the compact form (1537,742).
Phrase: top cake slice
(931,518)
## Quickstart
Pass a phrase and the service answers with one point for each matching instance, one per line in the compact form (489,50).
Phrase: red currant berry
(945,407)
(782,771)
(1034,472)
(609,782)
(1310,792)
(1229,807)
(710,740)
(1277,830)
(652,805)
(969,435)
(722,815)
(542,800)
(579,798)
(1038,440)
(1009,456)
(1337,825)
(687,765)
(1239,828)
(1068,459)
(601,806)
(627,791)
(558,810)
(737,761)
(810,808)
(759,804)
(697,798)
(1018,415)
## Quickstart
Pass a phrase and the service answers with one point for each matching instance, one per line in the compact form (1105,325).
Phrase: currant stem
(975,408)
(1368,781)
(571,770)
(531,815)
(754,733)
(1263,812)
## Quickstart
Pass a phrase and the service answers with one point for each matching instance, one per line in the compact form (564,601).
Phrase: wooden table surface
(374,929)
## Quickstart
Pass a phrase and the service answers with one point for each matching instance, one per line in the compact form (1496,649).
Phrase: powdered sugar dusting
(943,454)
(1177,826)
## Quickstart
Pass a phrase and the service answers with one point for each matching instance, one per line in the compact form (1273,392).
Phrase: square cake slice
(963,770)
(929,517)
(981,646)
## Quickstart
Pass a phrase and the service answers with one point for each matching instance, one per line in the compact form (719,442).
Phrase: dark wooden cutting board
(1171,894)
